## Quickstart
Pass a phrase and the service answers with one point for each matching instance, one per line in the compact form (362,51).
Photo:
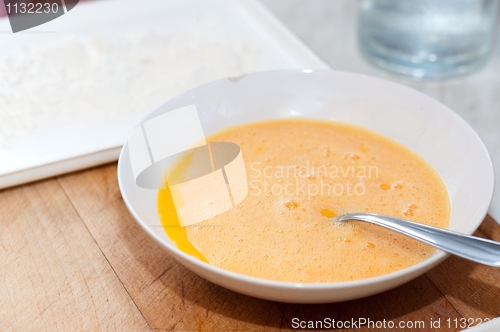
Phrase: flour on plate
(100,79)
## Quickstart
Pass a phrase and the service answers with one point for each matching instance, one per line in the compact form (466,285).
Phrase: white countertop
(329,28)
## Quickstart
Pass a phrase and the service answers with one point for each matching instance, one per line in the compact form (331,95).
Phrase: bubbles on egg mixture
(385,186)
(410,211)
(291,204)
(328,213)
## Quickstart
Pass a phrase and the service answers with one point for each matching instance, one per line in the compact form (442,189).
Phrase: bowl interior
(424,125)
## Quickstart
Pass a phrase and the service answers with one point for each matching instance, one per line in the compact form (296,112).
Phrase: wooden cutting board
(72,258)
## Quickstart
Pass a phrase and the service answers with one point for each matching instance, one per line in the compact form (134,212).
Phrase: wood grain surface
(72,258)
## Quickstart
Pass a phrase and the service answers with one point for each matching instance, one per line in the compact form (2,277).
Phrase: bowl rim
(430,262)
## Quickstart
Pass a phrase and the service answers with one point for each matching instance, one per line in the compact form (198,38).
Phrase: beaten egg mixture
(302,174)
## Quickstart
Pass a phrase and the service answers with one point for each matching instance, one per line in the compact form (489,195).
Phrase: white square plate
(71,147)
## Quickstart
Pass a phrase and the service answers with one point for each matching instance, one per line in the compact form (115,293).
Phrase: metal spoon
(470,247)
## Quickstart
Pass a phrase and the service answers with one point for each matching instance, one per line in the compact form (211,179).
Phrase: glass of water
(427,39)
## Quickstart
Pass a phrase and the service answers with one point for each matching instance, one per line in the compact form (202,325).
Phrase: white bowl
(426,126)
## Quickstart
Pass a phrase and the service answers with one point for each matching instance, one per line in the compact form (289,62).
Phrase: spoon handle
(470,247)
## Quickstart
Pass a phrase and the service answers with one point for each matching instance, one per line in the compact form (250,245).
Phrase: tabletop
(73,258)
